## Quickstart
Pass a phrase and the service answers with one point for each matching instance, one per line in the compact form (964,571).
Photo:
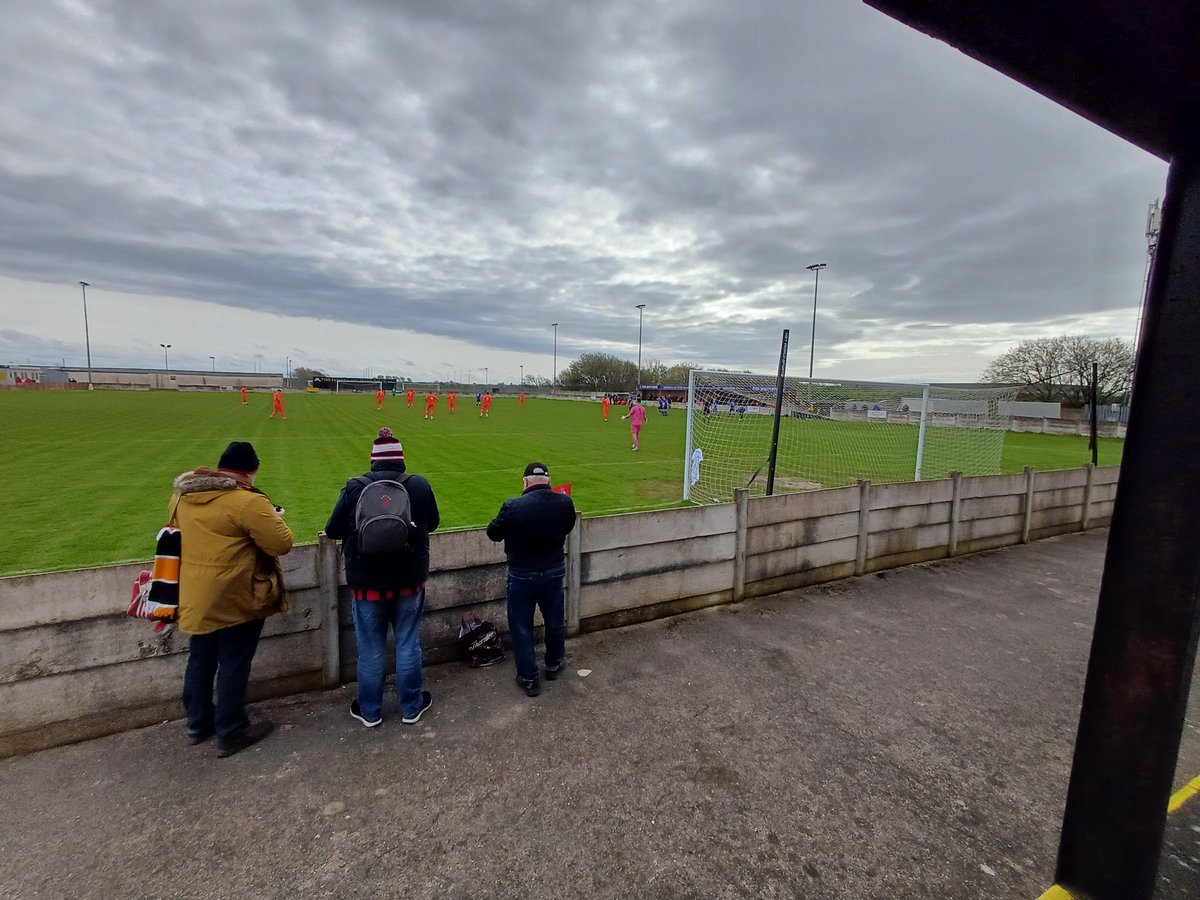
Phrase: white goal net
(834,432)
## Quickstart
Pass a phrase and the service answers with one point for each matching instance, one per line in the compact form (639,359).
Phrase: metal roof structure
(1132,68)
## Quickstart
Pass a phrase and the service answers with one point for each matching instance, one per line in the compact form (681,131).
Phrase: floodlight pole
(214,363)
(554,373)
(815,268)
(522,376)
(637,388)
(166,364)
(87,339)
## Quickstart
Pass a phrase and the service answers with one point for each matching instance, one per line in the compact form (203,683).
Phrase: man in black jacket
(387,589)
(534,527)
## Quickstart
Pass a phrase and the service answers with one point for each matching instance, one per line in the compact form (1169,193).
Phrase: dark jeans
(371,621)
(225,656)
(543,589)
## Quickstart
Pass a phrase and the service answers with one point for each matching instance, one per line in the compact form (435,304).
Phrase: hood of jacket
(205,481)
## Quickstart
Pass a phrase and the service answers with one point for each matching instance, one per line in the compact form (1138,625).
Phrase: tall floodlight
(522,376)
(637,388)
(166,364)
(815,268)
(485,376)
(214,362)
(554,373)
(87,339)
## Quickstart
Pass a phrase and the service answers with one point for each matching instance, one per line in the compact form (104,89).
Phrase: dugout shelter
(1133,69)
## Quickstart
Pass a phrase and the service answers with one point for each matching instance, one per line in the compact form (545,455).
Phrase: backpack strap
(364,480)
(172,510)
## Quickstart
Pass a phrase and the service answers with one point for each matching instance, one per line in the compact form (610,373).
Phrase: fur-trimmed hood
(204,479)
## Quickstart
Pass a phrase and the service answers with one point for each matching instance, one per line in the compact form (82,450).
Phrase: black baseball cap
(537,469)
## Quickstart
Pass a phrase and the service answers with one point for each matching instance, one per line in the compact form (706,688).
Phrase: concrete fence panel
(801,506)
(626,562)
(600,598)
(902,518)
(660,526)
(805,532)
(910,493)
(781,570)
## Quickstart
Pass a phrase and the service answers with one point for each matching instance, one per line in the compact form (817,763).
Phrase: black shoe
(530,686)
(426,702)
(356,712)
(246,737)
(555,672)
(199,737)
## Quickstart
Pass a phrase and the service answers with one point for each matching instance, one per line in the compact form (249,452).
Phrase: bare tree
(1060,368)
(599,372)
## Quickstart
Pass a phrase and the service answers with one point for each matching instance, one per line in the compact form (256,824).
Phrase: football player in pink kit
(636,415)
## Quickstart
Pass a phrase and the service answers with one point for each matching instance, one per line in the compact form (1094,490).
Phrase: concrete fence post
(1027,511)
(864,521)
(955,509)
(574,574)
(327,581)
(1086,513)
(741,505)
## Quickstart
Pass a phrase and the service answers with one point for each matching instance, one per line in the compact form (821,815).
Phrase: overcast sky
(422,188)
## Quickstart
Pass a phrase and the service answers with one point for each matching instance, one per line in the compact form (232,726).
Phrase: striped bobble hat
(386,448)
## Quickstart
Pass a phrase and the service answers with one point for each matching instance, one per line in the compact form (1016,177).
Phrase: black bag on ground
(479,641)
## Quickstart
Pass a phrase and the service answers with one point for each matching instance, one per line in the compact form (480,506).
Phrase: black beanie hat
(239,456)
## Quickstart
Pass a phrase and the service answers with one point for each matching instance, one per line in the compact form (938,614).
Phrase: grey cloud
(385,163)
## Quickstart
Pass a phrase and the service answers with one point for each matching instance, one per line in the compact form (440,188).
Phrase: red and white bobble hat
(386,448)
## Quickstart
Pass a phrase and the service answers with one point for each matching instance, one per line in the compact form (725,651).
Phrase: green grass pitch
(87,476)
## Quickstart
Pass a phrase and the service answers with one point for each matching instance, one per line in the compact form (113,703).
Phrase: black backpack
(383,517)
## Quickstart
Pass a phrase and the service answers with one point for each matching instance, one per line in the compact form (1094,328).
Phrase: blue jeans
(371,621)
(223,656)
(541,588)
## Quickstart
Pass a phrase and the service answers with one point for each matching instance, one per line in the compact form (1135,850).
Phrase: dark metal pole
(554,374)
(1144,641)
(778,414)
(637,388)
(87,338)
(1095,442)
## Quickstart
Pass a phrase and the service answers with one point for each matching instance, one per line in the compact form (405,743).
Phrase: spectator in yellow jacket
(230,581)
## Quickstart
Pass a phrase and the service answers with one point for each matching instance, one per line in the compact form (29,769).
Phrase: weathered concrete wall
(72,666)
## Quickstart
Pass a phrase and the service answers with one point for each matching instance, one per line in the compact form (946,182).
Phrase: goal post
(833,432)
